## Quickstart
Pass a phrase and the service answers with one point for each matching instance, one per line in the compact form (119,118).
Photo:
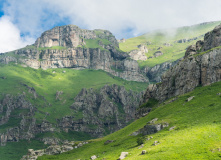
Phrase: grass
(47,84)
(201,53)
(94,43)
(15,150)
(53,47)
(196,134)
(158,38)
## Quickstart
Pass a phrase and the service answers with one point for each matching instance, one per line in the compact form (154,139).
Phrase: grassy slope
(157,38)
(196,136)
(47,84)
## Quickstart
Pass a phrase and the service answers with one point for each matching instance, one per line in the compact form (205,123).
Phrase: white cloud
(10,38)
(124,18)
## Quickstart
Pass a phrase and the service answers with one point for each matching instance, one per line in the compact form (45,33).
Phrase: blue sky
(22,21)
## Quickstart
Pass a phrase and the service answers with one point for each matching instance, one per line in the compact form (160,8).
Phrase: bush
(140,140)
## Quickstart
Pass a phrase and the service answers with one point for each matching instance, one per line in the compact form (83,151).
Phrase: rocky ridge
(196,69)
(112,108)
(97,112)
(72,47)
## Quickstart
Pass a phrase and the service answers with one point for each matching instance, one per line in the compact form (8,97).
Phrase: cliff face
(72,36)
(95,112)
(154,74)
(196,69)
(110,109)
(72,47)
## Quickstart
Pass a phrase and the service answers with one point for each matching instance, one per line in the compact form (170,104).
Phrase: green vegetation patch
(48,82)
(196,133)
(155,41)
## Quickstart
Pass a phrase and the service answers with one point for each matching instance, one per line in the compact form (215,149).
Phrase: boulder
(93,157)
(158,53)
(190,98)
(123,155)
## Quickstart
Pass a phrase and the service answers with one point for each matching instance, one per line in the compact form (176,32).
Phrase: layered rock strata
(196,69)
(72,47)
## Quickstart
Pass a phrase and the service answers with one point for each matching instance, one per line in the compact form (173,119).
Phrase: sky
(22,21)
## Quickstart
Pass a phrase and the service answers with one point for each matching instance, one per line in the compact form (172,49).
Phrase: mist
(124,18)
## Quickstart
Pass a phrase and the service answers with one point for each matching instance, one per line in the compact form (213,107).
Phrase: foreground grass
(14,151)
(158,38)
(196,135)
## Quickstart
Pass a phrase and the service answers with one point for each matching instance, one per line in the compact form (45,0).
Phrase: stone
(167,44)
(123,40)
(143,152)
(190,98)
(155,143)
(152,121)
(93,157)
(151,128)
(158,53)
(123,155)
(139,54)
(63,71)
(172,128)
(141,146)
(108,141)
(58,94)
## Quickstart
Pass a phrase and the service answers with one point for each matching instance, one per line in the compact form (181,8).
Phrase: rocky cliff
(109,109)
(95,112)
(154,74)
(196,69)
(72,47)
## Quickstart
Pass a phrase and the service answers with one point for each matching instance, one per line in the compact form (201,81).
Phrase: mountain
(74,85)
(183,122)
(71,84)
(72,47)
(157,51)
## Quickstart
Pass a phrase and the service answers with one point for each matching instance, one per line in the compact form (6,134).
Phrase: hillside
(71,84)
(196,134)
(172,43)
(38,89)
(181,114)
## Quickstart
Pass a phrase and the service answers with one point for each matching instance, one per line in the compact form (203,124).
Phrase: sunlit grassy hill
(157,39)
(13,81)
(196,135)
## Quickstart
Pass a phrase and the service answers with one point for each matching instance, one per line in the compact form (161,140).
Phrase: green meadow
(196,135)
(156,39)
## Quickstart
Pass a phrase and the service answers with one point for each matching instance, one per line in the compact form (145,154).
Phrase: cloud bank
(124,18)
(10,38)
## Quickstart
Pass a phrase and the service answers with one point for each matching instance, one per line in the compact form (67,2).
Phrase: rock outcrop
(158,53)
(188,40)
(112,108)
(52,150)
(154,74)
(95,112)
(72,47)
(192,71)
(151,128)
(139,54)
